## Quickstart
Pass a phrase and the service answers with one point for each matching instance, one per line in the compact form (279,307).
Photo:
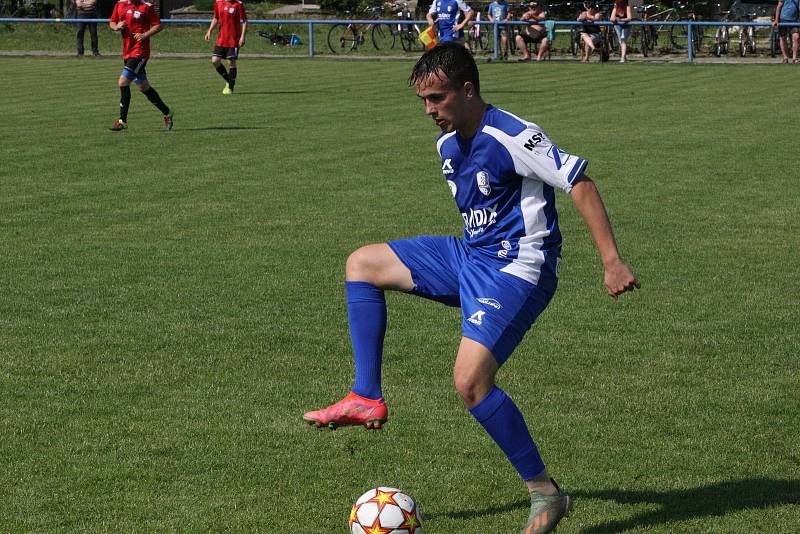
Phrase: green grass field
(172,302)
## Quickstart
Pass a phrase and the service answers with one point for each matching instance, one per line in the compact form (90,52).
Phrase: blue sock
(501,418)
(366,310)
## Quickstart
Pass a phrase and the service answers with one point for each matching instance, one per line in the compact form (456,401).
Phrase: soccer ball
(385,511)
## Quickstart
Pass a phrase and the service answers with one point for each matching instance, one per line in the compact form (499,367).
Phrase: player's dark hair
(447,60)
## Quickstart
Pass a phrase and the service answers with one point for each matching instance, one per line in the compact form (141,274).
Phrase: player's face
(445,103)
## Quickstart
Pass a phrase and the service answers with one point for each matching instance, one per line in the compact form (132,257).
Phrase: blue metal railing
(690,26)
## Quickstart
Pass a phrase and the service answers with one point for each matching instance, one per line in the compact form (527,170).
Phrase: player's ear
(469,90)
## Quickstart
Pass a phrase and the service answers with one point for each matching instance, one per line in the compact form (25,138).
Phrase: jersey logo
(490,302)
(231,10)
(558,156)
(535,139)
(483,183)
(476,221)
(477,317)
(136,14)
(503,253)
(447,167)
(453,187)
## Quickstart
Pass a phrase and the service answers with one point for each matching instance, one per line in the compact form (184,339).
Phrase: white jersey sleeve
(432,9)
(536,157)
(463,6)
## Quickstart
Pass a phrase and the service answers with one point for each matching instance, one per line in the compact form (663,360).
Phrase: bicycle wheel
(342,39)
(613,40)
(645,45)
(382,37)
(574,40)
(409,39)
(679,37)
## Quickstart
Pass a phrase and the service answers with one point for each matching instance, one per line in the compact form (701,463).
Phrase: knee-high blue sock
(501,418)
(366,310)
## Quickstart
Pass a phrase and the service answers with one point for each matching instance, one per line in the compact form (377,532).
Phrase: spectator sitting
(535,33)
(590,32)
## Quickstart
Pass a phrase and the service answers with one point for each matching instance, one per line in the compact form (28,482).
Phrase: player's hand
(241,42)
(139,36)
(619,278)
(208,36)
(120,26)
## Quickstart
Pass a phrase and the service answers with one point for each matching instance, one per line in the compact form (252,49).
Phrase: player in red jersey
(231,18)
(138,22)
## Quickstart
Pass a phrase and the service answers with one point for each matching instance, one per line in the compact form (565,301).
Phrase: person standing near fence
(535,33)
(499,13)
(622,14)
(87,9)
(231,18)
(788,11)
(444,14)
(138,22)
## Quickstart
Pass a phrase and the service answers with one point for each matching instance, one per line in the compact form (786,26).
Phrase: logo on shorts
(477,317)
(489,302)
(483,183)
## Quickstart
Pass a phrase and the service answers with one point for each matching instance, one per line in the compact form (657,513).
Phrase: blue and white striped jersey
(503,182)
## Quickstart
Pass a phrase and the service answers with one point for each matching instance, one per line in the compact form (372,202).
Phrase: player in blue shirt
(503,173)
(445,14)
(498,11)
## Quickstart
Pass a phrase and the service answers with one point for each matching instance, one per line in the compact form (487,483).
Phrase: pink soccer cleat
(350,411)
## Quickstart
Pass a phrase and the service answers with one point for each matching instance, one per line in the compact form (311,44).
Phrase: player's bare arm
(117,26)
(148,34)
(244,32)
(211,27)
(618,276)
(467,18)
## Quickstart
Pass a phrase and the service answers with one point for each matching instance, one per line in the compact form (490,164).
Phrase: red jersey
(230,15)
(138,17)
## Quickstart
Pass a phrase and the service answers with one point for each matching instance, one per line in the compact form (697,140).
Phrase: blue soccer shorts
(134,70)
(497,308)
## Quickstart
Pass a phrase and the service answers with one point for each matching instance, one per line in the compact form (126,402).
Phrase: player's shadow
(673,506)
(682,505)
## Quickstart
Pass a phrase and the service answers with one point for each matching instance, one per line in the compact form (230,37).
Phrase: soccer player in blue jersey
(445,14)
(503,173)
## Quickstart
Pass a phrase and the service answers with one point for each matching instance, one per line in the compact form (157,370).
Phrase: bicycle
(722,34)
(407,34)
(346,38)
(478,35)
(679,35)
(747,37)
(278,38)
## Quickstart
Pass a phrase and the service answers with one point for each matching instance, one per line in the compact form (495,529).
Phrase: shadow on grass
(709,501)
(524,504)
(715,500)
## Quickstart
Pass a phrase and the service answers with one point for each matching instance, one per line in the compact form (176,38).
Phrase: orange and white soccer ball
(385,511)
